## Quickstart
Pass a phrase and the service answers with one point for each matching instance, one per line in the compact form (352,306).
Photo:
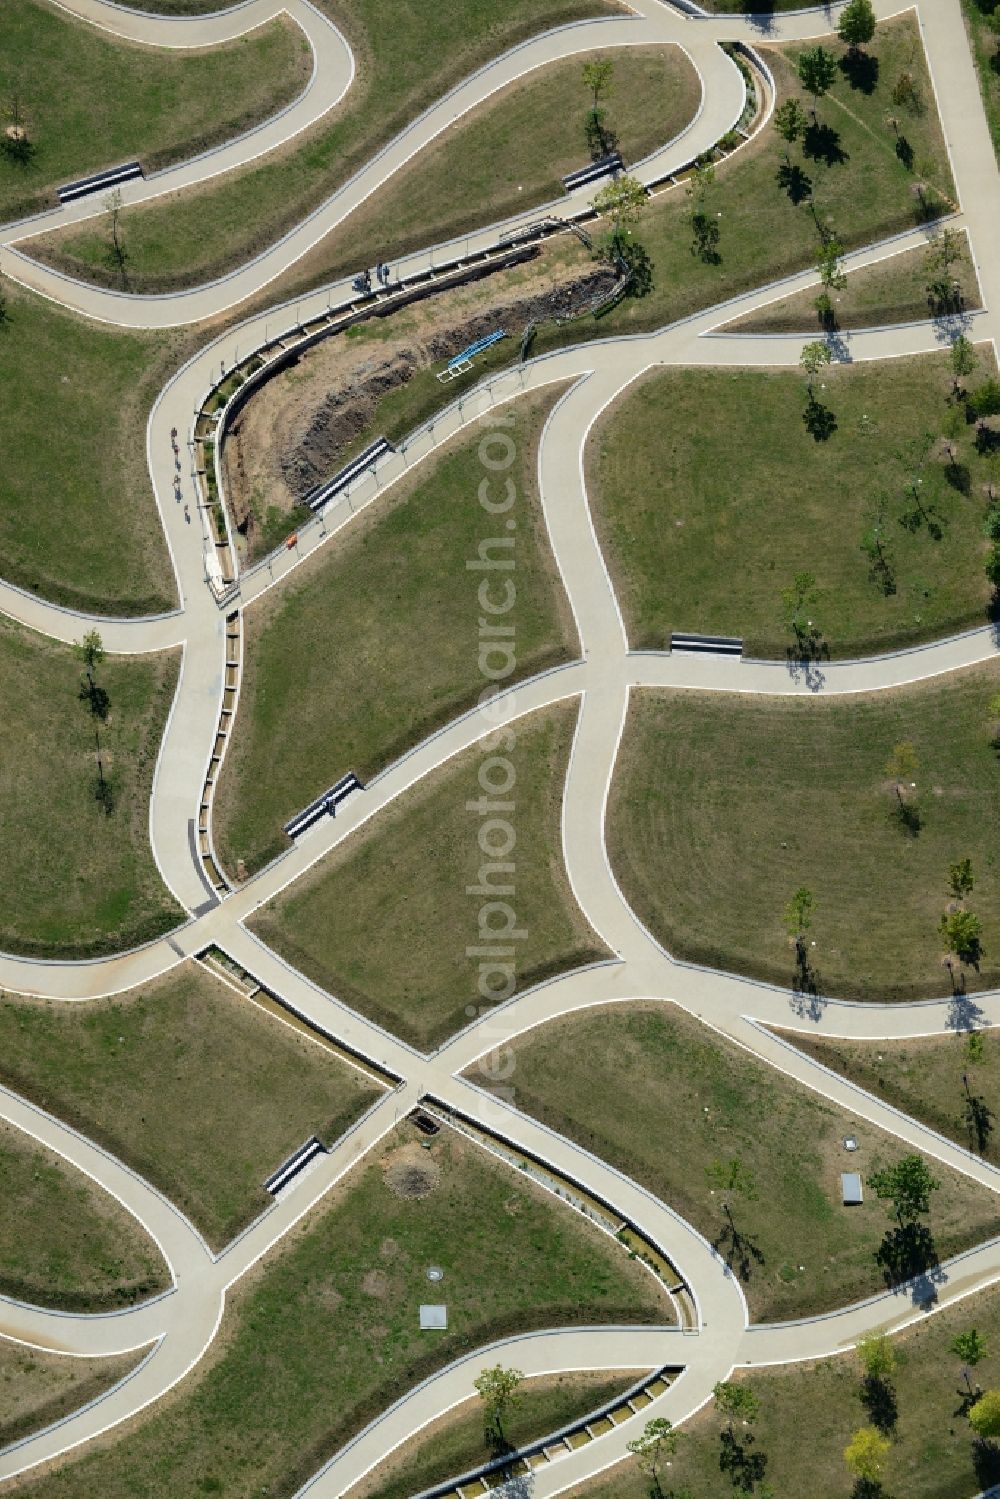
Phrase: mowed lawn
(508,154)
(78,519)
(78,881)
(457,1442)
(933,1453)
(723,806)
(698,545)
(325,1333)
(402,69)
(83,1252)
(860,188)
(199,1090)
(38,1388)
(986,50)
(890,291)
(945,1081)
(387,922)
(90,100)
(694,1099)
(374,642)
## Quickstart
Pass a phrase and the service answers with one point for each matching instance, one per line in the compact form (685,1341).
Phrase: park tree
(960,878)
(797,599)
(597,76)
(497,1388)
(815,356)
(90,650)
(857,24)
(831,272)
(790,122)
(15,141)
(622,201)
(817,73)
(113,204)
(654,1447)
(944,254)
(908,1185)
(704,227)
(865,1454)
(901,767)
(963,362)
(970,1347)
(799,912)
(984,1416)
(876,544)
(962,932)
(878,1358)
(736,1402)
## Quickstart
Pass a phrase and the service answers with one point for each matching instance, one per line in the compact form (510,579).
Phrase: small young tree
(878,1358)
(790,122)
(984,1417)
(656,1446)
(736,1402)
(497,1388)
(857,24)
(622,201)
(962,932)
(113,208)
(963,362)
(597,76)
(970,1347)
(814,357)
(865,1454)
(831,272)
(960,878)
(817,73)
(706,228)
(90,650)
(796,601)
(901,767)
(908,1185)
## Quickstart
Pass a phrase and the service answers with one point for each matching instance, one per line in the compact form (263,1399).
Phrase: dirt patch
(410,1172)
(16,133)
(296,431)
(376,1284)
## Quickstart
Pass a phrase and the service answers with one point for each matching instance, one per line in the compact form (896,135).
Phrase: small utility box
(433,1318)
(850,1187)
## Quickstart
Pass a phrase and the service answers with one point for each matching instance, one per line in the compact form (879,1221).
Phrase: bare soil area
(306,421)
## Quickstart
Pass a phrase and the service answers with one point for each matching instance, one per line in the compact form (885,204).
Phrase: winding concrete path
(182,1324)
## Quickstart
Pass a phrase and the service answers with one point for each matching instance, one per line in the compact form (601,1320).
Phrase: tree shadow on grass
(978,1118)
(745,1467)
(740,1250)
(795,182)
(879,1400)
(822,143)
(986,1462)
(861,71)
(908,1253)
(819,420)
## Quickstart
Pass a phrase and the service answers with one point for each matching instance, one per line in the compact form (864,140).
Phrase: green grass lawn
(78,521)
(78,881)
(722,807)
(485,169)
(324,1335)
(199,1090)
(39,1388)
(695,545)
(933,1454)
(89,100)
(374,642)
(716,1102)
(986,50)
(924,1077)
(84,1252)
(456,1443)
(406,874)
(891,291)
(402,69)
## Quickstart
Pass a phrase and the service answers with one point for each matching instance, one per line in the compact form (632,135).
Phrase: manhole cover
(434,1272)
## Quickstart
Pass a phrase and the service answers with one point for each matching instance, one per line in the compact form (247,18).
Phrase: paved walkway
(181,1325)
